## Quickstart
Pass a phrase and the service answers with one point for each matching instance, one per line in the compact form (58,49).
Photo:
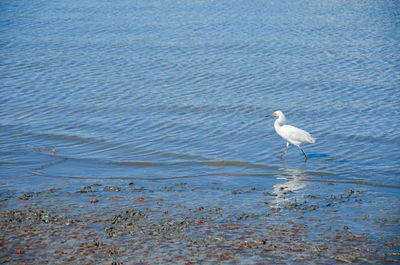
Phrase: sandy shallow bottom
(131,224)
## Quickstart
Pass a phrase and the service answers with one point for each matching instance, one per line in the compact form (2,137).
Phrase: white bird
(291,134)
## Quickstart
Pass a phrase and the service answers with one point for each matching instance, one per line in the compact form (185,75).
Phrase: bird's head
(279,115)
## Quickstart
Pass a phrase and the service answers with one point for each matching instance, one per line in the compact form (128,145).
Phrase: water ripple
(188,86)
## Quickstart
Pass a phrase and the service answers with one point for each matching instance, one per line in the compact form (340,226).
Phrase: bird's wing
(296,135)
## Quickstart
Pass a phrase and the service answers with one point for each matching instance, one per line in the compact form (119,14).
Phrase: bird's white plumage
(290,133)
(295,135)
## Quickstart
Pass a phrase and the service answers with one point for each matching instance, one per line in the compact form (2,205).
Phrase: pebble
(111,188)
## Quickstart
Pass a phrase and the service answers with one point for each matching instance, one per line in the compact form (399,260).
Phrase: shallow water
(115,91)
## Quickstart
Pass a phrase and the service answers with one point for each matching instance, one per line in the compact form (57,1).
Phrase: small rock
(86,189)
(180,184)
(112,188)
(261,242)
(236,192)
(26,196)
(269,194)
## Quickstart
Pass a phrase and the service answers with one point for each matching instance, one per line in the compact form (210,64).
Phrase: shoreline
(134,225)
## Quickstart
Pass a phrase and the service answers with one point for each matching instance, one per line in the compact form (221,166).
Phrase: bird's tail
(311,139)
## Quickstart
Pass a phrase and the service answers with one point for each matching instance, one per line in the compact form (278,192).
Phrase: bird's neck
(277,124)
(280,120)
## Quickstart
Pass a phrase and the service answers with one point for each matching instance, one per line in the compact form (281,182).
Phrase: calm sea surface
(162,90)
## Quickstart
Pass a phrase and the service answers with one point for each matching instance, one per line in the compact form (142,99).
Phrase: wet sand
(131,224)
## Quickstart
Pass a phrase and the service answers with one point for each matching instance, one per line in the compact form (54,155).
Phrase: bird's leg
(302,151)
(284,153)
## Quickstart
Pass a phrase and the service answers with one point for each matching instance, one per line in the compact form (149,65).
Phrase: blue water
(166,90)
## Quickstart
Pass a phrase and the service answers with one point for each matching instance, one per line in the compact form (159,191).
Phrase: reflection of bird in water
(291,134)
(293,183)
